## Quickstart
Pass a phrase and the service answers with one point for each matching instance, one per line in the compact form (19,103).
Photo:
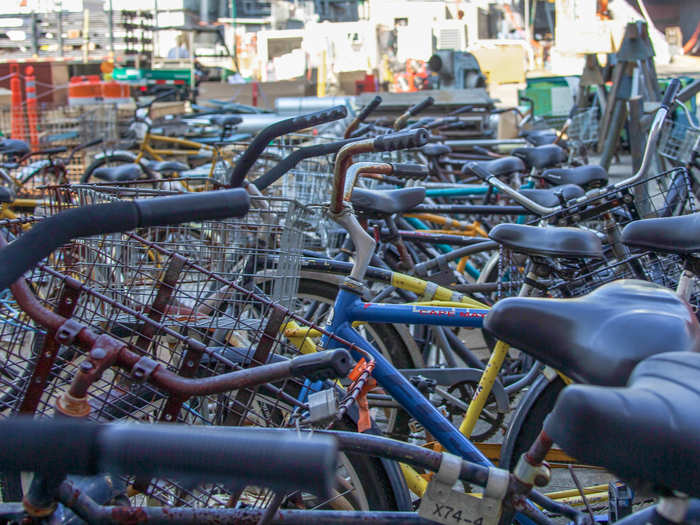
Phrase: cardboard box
(502,61)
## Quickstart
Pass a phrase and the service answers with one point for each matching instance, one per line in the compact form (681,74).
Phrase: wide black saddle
(592,176)
(679,235)
(386,202)
(647,432)
(548,241)
(549,197)
(541,157)
(499,167)
(119,173)
(600,337)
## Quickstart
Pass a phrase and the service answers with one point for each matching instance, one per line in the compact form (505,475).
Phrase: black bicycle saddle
(584,176)
(386,202)
(600,337)
(541,157)
(679,235)
(547,241)
(648,432)
(548,197)
(120,173)
(498,167)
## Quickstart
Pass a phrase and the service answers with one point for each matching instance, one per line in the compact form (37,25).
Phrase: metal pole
(35,34)
(110,21)
(60,29)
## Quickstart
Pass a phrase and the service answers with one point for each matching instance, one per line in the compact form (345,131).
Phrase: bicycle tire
(529,416)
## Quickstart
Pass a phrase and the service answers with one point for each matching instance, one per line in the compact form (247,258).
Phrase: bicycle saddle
(655,419)
(13,147)
(435,150)
(6,195)
(118,173)
(547,241)
(386,202)
(600,337)
(549,197)
(167,166)
(498,167)
(593,176)
(539,137)
(225,120)
(541,157)
(679,235)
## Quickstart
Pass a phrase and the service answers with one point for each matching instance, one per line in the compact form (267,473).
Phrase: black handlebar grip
(320,117)
(413,110)
(671,91)
(409,170)
(331,364)
(461,110)
(280,461)
(573,111)
(49,234)
(402,140)
(289,162)
(262,139)
(477,170)
(207,205)
(374,103)
(52,151)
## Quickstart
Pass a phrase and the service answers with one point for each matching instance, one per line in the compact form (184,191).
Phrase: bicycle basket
(679,141)
(187,318)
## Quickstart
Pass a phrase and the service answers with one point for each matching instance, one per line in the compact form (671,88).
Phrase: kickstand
(580,490)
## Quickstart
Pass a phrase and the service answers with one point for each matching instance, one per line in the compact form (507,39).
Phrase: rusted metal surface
(67,302)
(262,353)
(188,366)
(155,311)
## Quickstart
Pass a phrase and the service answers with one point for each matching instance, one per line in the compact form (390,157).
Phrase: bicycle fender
(451,376)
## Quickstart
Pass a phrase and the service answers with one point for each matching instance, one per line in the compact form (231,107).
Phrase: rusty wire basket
(197,314)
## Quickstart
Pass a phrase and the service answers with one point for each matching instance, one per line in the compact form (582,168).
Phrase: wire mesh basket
(664,194)
(679,141)
(194,316)
(264,246)
(584,126)
(579,278)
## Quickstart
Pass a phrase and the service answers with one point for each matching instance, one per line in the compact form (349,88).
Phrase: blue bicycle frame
(349,308)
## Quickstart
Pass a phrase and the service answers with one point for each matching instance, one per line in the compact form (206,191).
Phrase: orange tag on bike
(364,422)
(359,368)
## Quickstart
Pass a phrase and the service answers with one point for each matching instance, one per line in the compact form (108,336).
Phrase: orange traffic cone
(18,131)
(32,111)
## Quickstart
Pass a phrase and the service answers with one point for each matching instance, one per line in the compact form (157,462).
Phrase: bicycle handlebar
(413,111)
(262,139)
(46,236)
(289,162)
(362,116)
(671,92)
(158,97)
(276,460)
